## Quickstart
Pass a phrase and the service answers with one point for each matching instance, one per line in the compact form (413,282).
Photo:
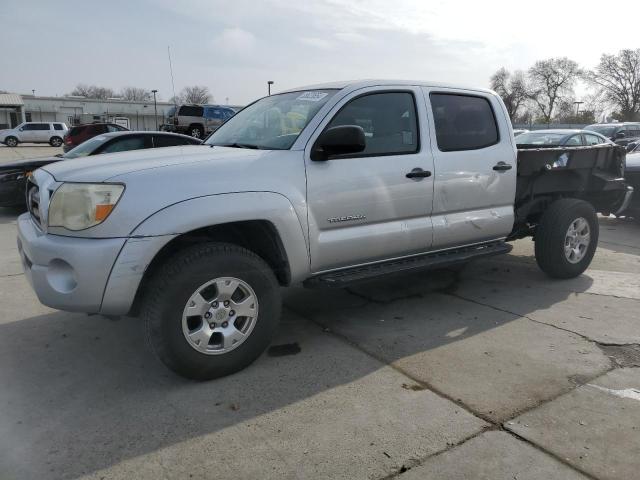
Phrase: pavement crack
(383,361)
(11,275)
(362,296)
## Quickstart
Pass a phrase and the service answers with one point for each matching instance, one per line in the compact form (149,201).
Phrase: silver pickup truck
(324,186)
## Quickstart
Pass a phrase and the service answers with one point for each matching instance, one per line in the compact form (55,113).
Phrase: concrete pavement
(492,371)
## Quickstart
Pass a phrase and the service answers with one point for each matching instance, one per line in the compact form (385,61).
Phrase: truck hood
(101,168)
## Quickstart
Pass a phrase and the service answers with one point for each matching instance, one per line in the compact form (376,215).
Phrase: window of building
(27,117)
(463,122)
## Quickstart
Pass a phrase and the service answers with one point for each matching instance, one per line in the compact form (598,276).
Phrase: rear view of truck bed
(594,174)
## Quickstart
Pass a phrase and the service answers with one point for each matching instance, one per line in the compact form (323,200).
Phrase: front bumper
(92,275)
(67,273)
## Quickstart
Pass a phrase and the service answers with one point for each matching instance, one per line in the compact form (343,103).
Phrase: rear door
(362,207)
(474,164)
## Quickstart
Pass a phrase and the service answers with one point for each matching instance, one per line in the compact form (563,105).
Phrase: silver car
(35,132)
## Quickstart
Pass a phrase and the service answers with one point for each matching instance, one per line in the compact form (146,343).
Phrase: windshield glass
(533,138)
(85,148)
(271,123)
(605,130)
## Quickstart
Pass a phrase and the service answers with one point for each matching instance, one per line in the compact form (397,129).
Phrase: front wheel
(211,310)
(566,238)
(11,142)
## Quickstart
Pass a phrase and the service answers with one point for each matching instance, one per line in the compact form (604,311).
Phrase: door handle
(501,167)
(418,173)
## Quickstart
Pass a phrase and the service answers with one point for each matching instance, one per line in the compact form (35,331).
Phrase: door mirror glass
(340,140)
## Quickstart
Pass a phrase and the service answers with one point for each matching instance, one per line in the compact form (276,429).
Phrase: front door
(362,207)
(475,170)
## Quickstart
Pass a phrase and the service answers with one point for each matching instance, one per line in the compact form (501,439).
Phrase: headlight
(76,206)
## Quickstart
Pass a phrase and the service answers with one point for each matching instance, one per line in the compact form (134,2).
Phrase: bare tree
(136,94)
(550,81)
(512,88)
(617,78)
(196,94)
(92,91)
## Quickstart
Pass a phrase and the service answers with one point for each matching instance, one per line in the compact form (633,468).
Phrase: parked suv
(620,133)
(197,120)
(35,132)
(82,133)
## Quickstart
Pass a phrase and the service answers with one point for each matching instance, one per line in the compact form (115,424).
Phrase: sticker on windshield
(312,96)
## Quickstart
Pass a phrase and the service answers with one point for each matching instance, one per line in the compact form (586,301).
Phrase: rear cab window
(463,121)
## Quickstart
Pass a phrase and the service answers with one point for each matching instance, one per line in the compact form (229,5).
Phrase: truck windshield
(271,123)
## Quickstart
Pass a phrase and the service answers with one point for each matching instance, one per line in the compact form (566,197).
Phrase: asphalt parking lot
(492,371)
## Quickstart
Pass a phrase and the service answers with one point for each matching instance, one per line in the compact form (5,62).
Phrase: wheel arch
(262,222)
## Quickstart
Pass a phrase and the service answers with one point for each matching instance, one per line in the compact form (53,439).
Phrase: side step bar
(441,259)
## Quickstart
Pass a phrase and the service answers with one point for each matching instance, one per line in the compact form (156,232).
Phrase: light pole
(269,83)
(155,108)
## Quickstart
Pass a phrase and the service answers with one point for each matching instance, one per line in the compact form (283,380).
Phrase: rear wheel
(196,131)
(55,141)
(11,141)
(211,310)
(566,238)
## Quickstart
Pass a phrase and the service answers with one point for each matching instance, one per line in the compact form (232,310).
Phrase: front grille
(33,202)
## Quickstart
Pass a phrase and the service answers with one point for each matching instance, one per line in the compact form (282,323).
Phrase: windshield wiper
(237,145)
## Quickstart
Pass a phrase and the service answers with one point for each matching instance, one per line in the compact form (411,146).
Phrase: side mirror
(340,140)
(21,129)
(620,135)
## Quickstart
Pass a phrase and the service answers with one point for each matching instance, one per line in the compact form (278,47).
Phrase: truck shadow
(81,394)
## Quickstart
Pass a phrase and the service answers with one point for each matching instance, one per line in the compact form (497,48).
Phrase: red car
(82,133)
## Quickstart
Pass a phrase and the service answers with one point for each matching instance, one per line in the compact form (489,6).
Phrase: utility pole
(269,83)
(155,108)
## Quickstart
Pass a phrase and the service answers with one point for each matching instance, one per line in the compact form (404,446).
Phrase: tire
(560,251)
(11,142)
(55,141)
(168,296)
(196,131)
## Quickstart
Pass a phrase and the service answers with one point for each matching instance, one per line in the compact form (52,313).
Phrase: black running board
(441,259)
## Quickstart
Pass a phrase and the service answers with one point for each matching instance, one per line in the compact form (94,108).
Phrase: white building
(15,109)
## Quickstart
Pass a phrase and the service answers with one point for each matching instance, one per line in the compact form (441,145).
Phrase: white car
(35,132)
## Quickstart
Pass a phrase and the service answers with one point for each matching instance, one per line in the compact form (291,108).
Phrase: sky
(235,47)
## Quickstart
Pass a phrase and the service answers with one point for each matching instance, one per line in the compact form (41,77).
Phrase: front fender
(212,210)
(148,238)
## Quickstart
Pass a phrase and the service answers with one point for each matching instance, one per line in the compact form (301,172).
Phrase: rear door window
(574,141)
(160,141)
(124,144)
(191,111)
(389,121)
(592,139)
(57,126)
(36,126)
(463,122)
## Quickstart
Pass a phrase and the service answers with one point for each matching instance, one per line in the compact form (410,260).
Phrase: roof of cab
(357,84)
